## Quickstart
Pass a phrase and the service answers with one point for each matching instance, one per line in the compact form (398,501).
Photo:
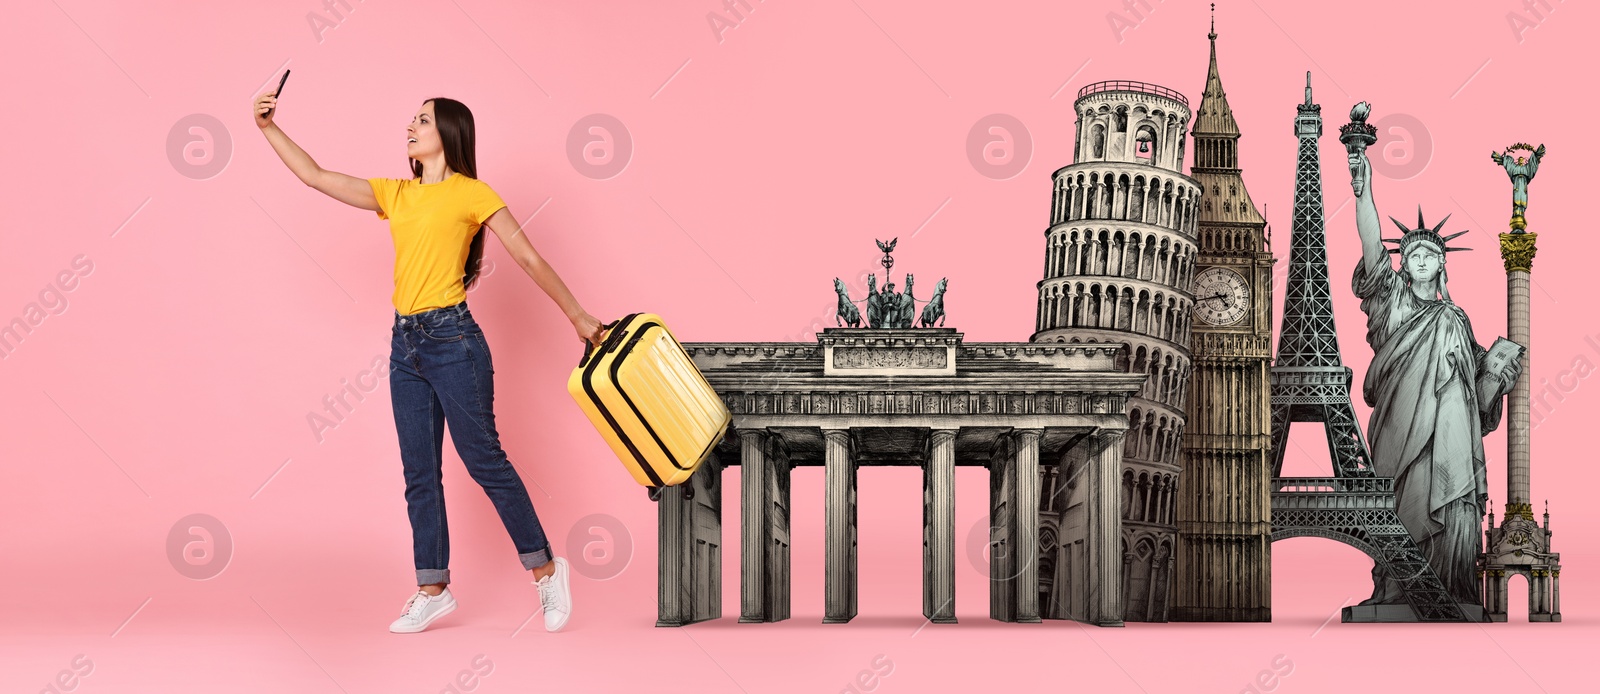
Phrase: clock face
(1221,296)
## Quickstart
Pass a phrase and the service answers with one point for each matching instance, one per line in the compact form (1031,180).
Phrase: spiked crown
(1422,234)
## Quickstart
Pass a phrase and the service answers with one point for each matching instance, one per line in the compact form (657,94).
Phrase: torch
(1357,135)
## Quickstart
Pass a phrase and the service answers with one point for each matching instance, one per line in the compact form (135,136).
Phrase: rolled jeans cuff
(534,560)
(428,577)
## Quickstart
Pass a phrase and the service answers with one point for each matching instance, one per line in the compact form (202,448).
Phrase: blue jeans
(440,372)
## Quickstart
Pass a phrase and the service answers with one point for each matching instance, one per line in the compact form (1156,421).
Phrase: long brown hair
(457,135)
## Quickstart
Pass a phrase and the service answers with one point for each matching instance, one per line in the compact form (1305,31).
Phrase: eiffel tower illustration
(1311,384)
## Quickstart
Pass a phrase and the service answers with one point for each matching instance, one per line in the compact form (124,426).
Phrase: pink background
(220,311)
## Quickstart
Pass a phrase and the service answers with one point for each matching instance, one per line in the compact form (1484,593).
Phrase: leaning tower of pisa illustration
(1119,255)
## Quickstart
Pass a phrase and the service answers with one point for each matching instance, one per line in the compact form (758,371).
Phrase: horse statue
(847,312)
(906,307)
(933,311)
(875,308)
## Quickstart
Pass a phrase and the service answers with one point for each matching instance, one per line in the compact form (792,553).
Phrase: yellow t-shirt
(432,225)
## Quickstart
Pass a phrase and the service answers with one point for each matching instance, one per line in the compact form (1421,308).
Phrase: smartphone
(280,91)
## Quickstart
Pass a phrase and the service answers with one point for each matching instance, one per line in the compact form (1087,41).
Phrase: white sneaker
(421,610)
(555,593)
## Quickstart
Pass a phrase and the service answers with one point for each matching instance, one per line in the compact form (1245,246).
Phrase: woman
(1429,413)
(440,368)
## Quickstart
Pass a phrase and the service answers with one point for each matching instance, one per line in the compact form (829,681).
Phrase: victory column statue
(1433,394)
(1521,170)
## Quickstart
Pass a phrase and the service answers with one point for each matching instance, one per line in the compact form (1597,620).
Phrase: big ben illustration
(1224,514)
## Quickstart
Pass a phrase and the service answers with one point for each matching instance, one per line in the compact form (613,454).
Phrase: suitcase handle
(588,346)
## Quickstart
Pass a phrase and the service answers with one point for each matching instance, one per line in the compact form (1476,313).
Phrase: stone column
(1078,151)
(754,502)
(1157,568)
(1490,588)
(1105,529)
(840,480)
(673,554)
(1502,591)
(939,527)
(1002,534)
(1501,595)
(689,590)
(1169,149)
(1541,595)
(1549,592)
(1541,602)
(1555,595)
(1517,251)
(1127,573)
(1025,545)
(1483,587)
(778,573)
(1129,151)
(1083,150)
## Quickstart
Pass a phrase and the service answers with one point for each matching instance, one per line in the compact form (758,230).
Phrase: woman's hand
(266,106)
(589,328)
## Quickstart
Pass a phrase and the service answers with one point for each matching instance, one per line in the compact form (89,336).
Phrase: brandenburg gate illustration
(1046,419)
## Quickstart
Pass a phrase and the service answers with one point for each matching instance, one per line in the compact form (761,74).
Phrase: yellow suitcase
(650,403)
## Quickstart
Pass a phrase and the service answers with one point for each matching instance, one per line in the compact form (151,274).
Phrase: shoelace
(548,595)
(416,605)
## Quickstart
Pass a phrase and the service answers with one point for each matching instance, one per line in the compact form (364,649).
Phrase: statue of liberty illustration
(1434,391)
